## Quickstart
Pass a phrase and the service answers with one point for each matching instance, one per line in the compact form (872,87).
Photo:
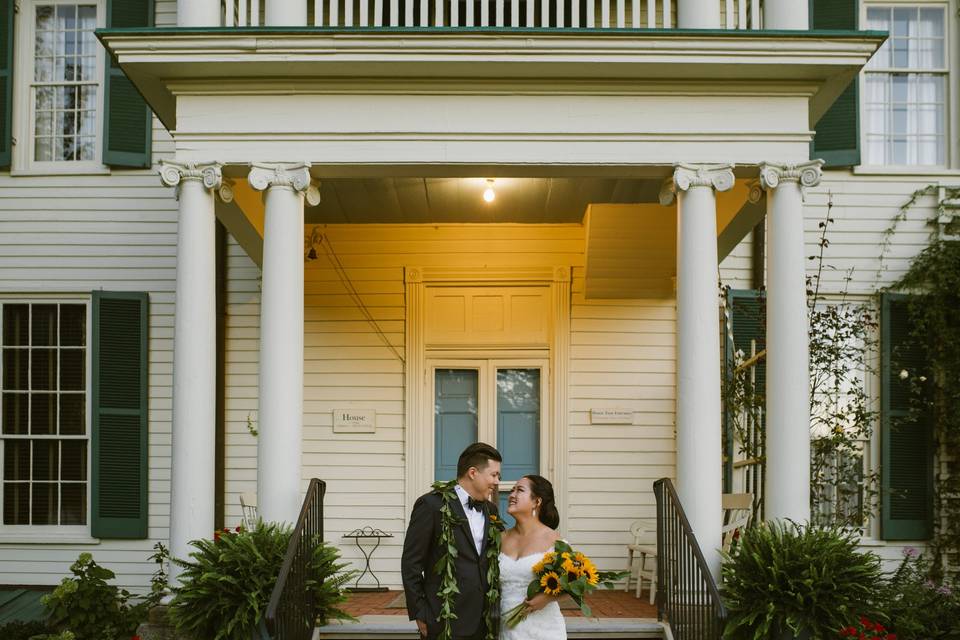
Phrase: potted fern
(788,581)
(226,585)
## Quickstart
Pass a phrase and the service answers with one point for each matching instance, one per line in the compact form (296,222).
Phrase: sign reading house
(354,420)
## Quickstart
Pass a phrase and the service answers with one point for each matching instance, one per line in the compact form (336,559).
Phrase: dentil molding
(686,176)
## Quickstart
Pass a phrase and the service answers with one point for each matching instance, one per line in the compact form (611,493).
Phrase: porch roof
(158,60)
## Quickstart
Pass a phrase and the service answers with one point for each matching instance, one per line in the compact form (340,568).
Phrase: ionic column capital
(807,174)
(295,176)
(174,173)
(687,176)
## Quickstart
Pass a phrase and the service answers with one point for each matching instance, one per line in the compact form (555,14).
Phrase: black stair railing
(687,595)
(292,612)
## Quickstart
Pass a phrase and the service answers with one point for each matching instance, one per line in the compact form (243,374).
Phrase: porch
(350,168)
(617,614)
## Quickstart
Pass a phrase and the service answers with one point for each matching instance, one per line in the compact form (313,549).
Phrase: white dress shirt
(474,518)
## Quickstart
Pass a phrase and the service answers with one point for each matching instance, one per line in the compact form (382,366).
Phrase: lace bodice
(546,624)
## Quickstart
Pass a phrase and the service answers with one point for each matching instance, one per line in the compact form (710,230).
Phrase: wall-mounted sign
(611,416)
(354,420)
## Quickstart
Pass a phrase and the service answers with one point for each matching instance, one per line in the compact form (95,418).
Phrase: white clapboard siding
(74,234)
(864,208)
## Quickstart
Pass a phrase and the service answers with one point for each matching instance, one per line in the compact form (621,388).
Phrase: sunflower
(550,583)
(593,578)
(572,569)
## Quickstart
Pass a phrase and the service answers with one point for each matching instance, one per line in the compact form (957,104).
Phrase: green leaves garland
(492,609)
(446,565)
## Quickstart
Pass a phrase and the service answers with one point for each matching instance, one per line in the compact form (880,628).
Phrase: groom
(478,474)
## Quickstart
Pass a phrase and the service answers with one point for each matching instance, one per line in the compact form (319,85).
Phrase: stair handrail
(687,594)
(292,611)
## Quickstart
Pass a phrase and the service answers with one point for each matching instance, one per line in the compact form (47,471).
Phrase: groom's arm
(416,550)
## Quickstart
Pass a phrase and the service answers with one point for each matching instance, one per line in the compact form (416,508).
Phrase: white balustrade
(506,14)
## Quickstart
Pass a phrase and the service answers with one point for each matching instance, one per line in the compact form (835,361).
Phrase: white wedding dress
(546,624)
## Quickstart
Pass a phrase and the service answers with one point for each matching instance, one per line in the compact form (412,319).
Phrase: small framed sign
(354,420)
(611,416)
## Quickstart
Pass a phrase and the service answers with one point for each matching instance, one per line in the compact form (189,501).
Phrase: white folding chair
(642,556)
(248,505)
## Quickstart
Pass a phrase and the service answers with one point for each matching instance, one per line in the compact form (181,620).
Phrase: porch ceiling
(452,200)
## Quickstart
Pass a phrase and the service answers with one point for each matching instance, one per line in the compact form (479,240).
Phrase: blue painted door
(518,426)
(456,397)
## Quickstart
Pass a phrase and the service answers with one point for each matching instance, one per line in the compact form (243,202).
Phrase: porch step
(380,627)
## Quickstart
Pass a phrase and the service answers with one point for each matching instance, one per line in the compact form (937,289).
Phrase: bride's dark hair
(547,511)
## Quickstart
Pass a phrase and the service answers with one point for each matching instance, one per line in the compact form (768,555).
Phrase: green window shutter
(127,126)
(6,81)
(837,137)
(906,430)
(119,410)
(747,323)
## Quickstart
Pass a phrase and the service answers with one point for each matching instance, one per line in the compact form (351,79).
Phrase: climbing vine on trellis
(841,334)
(934,313)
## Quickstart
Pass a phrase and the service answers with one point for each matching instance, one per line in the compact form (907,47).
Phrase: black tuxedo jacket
(421,553)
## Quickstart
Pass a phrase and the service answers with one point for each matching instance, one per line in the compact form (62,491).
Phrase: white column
(198,13)
(787,482)
(285,13)
(786,15)
(698,14)
(280,420)
(699,448)
(194,358)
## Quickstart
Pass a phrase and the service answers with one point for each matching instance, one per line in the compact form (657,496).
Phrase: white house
(317,263)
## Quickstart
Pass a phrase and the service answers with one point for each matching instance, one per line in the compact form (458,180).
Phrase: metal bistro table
(367,533)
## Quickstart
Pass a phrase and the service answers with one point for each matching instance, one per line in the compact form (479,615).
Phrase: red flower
(237,529)
(216,536)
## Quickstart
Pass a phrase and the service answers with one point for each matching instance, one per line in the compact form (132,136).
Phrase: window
(65,86)
(494,401)
(60,87)
(905,87)
(43,413)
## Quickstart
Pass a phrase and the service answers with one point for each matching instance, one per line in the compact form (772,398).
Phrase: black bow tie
(475,504)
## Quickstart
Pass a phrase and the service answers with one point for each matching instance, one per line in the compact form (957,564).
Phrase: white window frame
(22,160)
(79,534)
(951,159)
(487,365)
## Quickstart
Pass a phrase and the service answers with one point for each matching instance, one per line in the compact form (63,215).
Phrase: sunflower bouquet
(560,571)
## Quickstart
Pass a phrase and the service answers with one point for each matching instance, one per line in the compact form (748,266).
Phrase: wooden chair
(248,505)
(737,511)
(642,556)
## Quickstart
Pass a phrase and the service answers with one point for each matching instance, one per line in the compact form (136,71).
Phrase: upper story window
(65,87)
(60,95)
(905,88)
(43,420)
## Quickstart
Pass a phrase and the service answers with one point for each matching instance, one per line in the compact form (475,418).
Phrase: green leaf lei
(446,566)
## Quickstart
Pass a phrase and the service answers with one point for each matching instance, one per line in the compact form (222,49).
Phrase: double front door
(500,402)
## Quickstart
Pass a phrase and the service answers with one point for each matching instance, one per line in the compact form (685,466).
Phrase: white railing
(556,14)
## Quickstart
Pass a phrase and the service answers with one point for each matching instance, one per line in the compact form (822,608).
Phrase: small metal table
(367,533)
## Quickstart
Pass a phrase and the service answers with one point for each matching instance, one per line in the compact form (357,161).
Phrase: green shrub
(19,630)
(786,578)
(919,608)
(90,608)
(226,587)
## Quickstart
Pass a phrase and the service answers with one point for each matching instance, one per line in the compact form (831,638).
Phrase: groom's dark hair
(478,455)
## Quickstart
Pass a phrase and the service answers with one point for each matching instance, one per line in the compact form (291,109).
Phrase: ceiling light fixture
(489,195)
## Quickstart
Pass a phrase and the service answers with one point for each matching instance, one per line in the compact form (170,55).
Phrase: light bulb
(489,195)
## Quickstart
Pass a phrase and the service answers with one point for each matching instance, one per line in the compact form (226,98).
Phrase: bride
(531,504)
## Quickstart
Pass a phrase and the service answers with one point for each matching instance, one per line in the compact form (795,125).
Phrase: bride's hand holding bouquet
(562,571)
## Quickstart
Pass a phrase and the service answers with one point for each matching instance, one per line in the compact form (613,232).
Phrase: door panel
(455,417)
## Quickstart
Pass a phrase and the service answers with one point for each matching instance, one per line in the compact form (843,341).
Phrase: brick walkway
(605,604)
